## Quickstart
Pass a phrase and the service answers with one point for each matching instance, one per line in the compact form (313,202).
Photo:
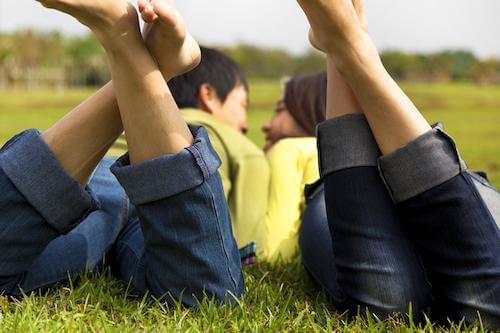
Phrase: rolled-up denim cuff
(346,142)
(424,163)
(34,170)
(168,175)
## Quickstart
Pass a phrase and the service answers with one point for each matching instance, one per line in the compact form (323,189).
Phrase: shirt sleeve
(286,200)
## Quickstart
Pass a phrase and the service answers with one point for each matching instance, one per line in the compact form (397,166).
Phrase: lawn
(471,114)
(278,298)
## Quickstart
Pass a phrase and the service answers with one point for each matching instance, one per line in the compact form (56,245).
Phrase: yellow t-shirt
(294,164)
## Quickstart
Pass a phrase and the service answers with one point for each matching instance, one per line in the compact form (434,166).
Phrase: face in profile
(299,111)
(281,125)
(233,110)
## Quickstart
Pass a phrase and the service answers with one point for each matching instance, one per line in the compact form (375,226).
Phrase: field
(278,298)
(471,114)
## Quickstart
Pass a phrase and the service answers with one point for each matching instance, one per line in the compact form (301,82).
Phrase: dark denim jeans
(411,227)
(163,225)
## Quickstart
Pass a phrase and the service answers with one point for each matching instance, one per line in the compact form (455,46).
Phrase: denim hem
(346,142)
(168,175)
(426,162)
(35,171)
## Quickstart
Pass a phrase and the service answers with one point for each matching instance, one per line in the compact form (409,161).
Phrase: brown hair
(305,99)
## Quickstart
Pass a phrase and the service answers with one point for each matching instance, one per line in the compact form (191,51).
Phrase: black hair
(215,69)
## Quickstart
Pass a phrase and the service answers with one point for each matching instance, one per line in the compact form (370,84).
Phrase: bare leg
(340,97)
(336,29)
(82,138)
(348,159)
(437,203)
(152,123)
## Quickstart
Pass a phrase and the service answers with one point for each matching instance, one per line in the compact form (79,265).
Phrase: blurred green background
(470,113)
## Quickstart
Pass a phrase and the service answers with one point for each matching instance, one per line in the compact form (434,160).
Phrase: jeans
(162,225)
(411,227)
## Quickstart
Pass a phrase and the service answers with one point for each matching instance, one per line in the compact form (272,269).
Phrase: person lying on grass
(408,224)
(295,192)
(272,224)
(163,223)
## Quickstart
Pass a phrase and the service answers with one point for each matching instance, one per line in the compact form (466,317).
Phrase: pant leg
(128,256)
(85,247)
(315,244)
(489,194)
(187,248)
(39,202)
(376,265)
(454,231)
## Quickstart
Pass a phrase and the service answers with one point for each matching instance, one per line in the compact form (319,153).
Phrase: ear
(208,99)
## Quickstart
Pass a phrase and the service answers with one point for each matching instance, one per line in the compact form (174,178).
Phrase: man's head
(217,86)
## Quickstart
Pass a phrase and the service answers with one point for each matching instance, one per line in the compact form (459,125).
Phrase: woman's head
(302,107)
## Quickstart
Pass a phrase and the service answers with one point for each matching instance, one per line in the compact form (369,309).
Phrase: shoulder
(303,148)
(234,143)
(297,154)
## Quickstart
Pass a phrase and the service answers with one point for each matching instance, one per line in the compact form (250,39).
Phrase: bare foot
(359,7)
(167,38)
(108,19)
(334,23)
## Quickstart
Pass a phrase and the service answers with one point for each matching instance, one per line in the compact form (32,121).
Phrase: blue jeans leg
(315,244)
(40,205)
(377,268)
(85,247)
(187,249)
(454,230)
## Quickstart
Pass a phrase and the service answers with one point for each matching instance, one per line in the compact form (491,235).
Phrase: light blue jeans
(162,225)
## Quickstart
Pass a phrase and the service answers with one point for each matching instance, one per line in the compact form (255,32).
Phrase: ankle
(119,42)
(115,33)
(127,51)
(356,55)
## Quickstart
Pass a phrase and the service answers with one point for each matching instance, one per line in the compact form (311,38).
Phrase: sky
(410,25)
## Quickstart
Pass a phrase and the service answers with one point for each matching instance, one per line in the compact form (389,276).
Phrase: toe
(141,4)
(166,12)
(148,14)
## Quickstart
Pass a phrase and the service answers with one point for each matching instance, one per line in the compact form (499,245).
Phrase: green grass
(278,298)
